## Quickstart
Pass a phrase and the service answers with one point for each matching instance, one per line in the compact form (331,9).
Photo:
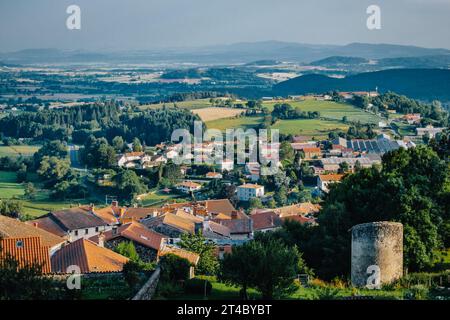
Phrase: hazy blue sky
(146,24)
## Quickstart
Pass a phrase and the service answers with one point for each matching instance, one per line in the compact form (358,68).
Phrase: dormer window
(19,244)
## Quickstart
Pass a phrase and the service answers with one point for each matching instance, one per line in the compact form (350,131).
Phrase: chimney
(115,204)
(234,214)
(101,240)
(114,230)
(35,224)
(91,207)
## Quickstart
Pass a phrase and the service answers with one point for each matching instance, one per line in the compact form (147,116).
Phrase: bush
(174,268)
(417,292)
(197,286)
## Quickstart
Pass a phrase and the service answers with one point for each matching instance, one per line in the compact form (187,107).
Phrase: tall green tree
(208,263)
(265,263)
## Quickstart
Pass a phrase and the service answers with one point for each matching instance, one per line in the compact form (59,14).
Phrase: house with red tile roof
(13,228)
(27,251)
(88,256)
(265,221)
(73,224)
(324,180)
(147,242)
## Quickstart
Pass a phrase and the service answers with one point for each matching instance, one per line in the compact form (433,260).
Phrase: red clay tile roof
(311,149)
(136,232)
(27,251)
(265,220)
(219,228)
(236,226)
(192,257)
(88,256)
(219,206)
(331,177)
(12,228)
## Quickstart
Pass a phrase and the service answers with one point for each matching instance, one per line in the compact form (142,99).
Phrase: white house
(324,180)
(188,186)
(247,191)
(227,165)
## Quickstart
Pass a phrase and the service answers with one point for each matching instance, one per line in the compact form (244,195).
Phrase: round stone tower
(377,253)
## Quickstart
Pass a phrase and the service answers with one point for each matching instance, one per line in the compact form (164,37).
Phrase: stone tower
(377,252)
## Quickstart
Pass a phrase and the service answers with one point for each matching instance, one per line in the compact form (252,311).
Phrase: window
(19,244)
(76,233)
(96,229)
(86,231)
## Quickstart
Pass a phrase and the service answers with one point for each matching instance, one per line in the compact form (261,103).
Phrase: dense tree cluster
(286,111)
(432,113)
(412,187)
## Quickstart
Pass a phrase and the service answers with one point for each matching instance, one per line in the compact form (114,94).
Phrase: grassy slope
(333,110)
(331,116)
(41,205)
(13,151)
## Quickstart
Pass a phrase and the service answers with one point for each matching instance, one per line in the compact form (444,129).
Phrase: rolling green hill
(426,84)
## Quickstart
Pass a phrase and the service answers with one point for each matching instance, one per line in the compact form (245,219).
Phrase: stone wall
(378,244)
(148,289)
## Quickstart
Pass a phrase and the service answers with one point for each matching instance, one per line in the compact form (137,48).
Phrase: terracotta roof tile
(12,228)
(137,232)
(331,177)
(27,251)
(192,257)
(265,220)
(88,256)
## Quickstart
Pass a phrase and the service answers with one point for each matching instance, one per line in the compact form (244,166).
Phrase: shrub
(317,283)
(198,286)
(417,292)
(174,268)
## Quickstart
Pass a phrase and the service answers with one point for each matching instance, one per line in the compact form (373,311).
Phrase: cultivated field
(190,105)
(15,151)
(332,110)
(309,127)
(233,123)
(214,113)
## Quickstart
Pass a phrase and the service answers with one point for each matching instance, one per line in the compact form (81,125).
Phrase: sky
(156,24)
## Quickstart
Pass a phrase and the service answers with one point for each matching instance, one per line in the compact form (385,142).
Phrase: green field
(157,198)
(309,127)
(194,104)
(233,123)
(333,110)
(15,151)
(42,204)
(331,115)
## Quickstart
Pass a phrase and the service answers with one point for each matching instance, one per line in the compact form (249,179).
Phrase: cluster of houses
(86,236)
(328,160)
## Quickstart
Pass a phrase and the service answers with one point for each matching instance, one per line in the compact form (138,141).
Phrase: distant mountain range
(426,84)
(355,63)
(226,54)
